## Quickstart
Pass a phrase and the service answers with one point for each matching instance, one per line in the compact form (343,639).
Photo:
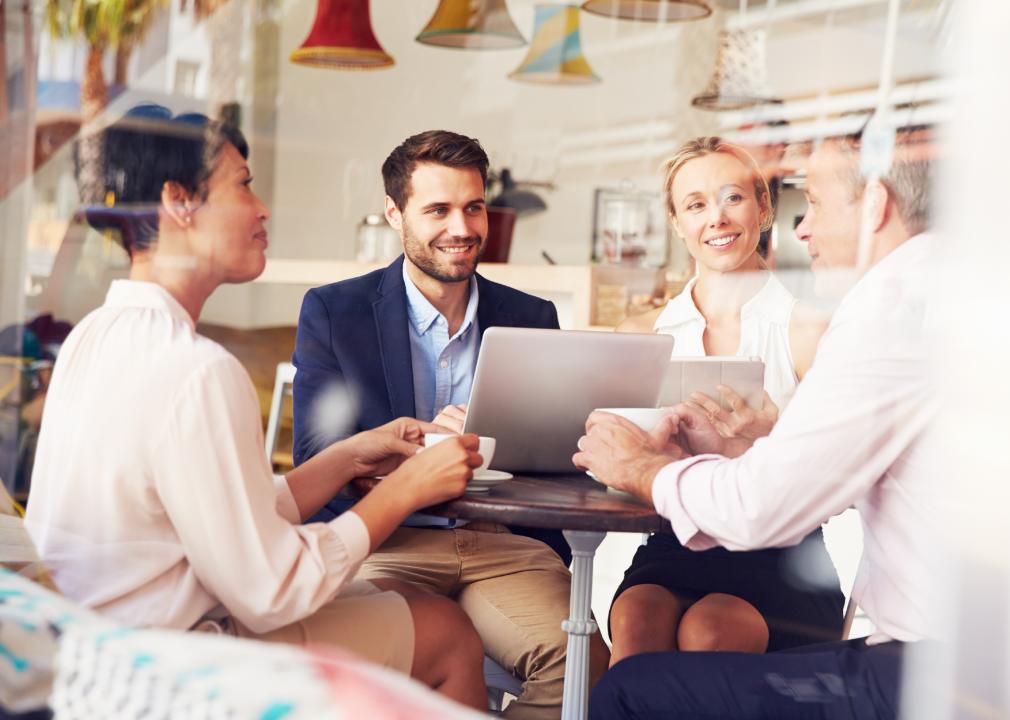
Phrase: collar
(422,314)
(682,309)
(910,255)
(141,294)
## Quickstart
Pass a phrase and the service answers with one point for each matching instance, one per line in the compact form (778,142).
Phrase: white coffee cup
(486,449)
(645,418)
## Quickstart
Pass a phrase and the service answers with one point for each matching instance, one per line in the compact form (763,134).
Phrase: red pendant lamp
(342,38)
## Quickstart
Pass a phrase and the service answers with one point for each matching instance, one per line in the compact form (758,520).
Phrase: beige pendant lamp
(472,25)
(740,79)
(650,10)
(555,55)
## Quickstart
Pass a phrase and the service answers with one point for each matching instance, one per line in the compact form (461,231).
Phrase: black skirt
(795,589)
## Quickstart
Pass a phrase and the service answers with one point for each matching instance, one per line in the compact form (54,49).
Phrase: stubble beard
(424,257)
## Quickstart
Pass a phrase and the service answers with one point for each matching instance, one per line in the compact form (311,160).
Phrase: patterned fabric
(161,675)
(113,672)
(32,622)
(740,78)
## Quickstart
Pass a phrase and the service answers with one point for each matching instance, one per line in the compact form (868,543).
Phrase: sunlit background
(578,148)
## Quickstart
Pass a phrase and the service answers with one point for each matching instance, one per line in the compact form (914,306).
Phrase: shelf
(575,282)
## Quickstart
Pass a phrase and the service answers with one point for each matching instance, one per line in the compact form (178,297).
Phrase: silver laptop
(533,389)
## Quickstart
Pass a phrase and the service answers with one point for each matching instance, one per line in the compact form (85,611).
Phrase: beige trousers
(514,589)
(376,625)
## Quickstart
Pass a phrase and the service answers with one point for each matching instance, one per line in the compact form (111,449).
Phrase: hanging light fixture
(342,38)
(523,201)
(555,54)
(650,10)
(740,79)
(472,25)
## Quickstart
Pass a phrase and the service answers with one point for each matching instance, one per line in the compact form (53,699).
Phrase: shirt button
(444,364)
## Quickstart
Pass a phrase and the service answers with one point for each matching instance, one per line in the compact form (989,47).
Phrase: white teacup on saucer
(483,478)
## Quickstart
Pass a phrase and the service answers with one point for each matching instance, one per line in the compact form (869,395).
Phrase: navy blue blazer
(355,333)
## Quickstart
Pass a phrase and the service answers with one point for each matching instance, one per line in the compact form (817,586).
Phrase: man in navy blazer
(355,332)
(403,341)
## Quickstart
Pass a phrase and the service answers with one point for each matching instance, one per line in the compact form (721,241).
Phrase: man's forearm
(736,446)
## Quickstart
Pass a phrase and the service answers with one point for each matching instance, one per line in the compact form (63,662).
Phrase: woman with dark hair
(152,500)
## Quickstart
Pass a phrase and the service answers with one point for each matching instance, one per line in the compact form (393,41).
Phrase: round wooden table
(585,511)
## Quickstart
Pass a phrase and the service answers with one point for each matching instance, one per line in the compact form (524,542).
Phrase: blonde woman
(677,599)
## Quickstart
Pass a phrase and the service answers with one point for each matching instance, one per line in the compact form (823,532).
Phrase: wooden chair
(283,381)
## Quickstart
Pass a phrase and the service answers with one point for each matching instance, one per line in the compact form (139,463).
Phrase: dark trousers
(850,680)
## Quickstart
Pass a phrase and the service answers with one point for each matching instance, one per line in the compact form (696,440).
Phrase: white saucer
(483,481)
(487,479)
(615,491)
(490,476)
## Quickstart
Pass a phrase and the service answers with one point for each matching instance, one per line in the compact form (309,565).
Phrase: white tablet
(686,375)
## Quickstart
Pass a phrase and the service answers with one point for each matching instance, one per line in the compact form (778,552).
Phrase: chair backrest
(283,380)
(850,616)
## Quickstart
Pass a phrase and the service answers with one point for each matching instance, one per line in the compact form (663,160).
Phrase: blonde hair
(702,146)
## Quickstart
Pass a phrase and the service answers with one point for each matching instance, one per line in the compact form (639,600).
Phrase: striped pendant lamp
(472,25)
(555,54)
(650,10)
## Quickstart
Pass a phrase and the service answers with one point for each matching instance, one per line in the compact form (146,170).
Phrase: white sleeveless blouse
(764,333)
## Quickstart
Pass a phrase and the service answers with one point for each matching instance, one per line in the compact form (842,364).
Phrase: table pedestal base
(579,625)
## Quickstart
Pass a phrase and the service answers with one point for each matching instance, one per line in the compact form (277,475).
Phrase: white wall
(335,127)
(319,136)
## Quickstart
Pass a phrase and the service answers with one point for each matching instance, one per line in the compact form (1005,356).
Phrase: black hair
(134,158)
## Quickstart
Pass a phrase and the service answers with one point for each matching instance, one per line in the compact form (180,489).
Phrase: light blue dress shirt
(443,366)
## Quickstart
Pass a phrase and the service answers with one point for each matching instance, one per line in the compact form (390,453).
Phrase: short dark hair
(136,156)
(435,146)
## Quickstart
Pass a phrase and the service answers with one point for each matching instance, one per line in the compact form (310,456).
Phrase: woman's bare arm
(806,326)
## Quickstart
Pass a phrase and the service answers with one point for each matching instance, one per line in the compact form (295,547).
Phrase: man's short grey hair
(909,180)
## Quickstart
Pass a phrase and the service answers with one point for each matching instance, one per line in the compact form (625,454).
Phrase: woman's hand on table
(451,418)
(741,421)
(438,474)
(623,456)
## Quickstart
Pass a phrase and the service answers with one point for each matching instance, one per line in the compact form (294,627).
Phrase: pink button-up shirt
(152,500)
(853,435)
